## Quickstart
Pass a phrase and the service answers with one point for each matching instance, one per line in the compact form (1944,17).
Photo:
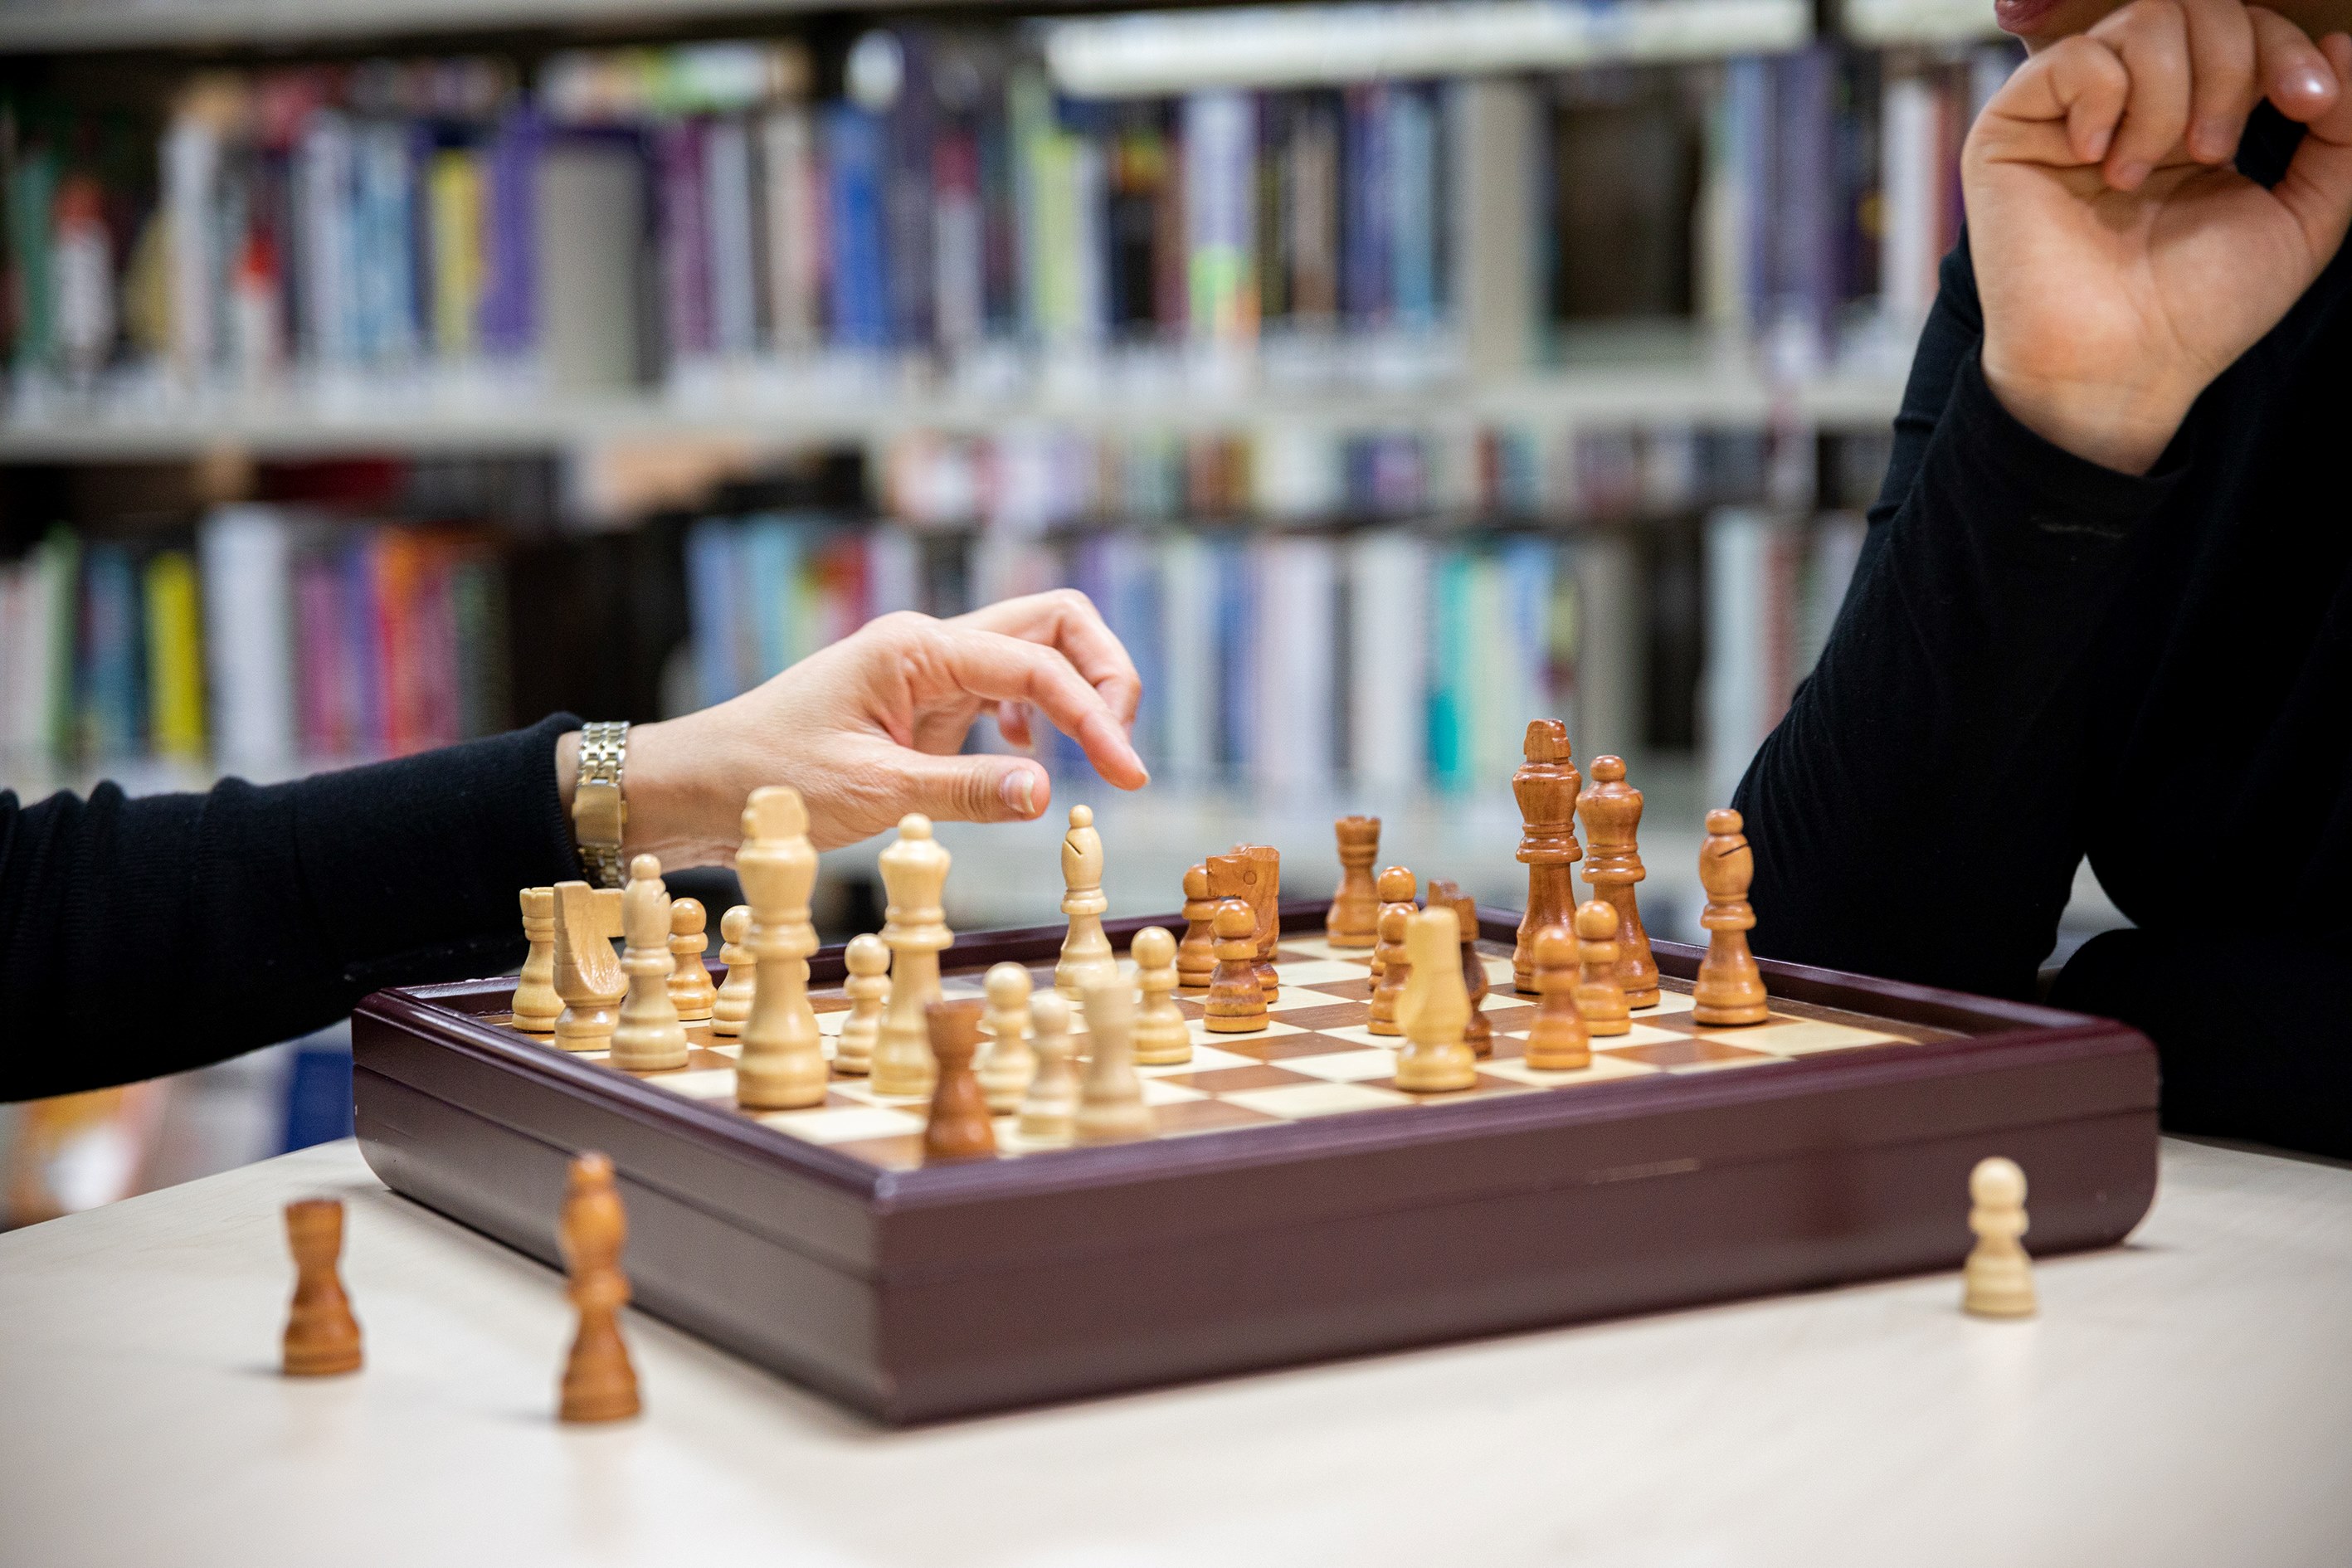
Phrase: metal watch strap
(600,813)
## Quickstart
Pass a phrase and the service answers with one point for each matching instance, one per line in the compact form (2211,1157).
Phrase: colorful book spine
(175,674)
(859,305)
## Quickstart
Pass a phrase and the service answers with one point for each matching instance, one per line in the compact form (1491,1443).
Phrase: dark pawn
(322,1338)
(959,1128)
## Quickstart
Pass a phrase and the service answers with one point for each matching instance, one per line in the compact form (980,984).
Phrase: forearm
(146,936)
(1912,814)
(2262,1062)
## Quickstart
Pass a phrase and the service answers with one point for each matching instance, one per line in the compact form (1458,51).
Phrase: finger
(2317,187)
(978,787)
(1008,669)
(1067,620)
(2221,79)
(2075,90)
(2152,38)
(2290,67)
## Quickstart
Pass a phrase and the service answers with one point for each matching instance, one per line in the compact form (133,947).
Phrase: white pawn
(1435,1007)
(915,929)
(1110,1099)
(536,1005)
(1162,1037)
(782,1067)
(1997,1279)
(733,1003)
(1049,1112)
(650,1037)
(1086,958)
(1008,1066)
(868,987)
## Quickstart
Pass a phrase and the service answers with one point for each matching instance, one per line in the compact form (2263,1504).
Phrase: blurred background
(382,374)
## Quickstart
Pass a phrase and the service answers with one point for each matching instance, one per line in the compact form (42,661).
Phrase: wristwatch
(599,813)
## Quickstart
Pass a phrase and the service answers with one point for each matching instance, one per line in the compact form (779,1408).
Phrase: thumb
(980,787)
(2317,189)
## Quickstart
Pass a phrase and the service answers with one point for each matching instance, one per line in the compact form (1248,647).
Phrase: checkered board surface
(1315,1059)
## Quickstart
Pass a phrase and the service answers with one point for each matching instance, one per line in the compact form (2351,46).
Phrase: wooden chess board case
(920,1294)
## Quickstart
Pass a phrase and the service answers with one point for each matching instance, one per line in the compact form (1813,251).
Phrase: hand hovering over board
(2122,262)
(872,726)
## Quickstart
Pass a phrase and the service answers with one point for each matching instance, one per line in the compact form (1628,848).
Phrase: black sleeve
(2270,1066)
(1911,814)
(144,936)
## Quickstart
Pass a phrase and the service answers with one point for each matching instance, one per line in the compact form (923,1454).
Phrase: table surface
(2185,1398)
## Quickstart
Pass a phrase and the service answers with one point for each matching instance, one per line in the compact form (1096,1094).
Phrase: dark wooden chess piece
(1354,918)
(1612,810)
(1558,1040)
(599,1384)
(1397,890)
(1236,1004)
(1546,789)
(1196,955)
(1249,872)
(1265,902)
(322,1338)
(958,1128)
(1387,991)
(1729,988)
(1599,996)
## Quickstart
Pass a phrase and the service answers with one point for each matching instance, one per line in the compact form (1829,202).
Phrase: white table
(2184,1399)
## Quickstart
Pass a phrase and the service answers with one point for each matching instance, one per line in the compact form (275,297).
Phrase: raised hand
(2122,262)
(870,728)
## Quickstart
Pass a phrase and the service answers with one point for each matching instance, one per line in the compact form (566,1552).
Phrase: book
(245,558)
(732,249)
(793,211)
(175,645)
(588,215)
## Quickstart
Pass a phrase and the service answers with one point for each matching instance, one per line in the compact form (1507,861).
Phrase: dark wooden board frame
(952,1291)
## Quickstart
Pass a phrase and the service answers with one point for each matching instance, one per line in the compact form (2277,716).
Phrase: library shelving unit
(1609,232)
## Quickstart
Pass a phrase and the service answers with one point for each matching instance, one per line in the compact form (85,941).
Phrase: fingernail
(2128,174)
(2210,141)
(2099,145)
(1019,790)
(2310,82)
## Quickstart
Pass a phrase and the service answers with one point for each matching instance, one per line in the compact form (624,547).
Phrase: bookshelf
(1668,387)
(1528,356)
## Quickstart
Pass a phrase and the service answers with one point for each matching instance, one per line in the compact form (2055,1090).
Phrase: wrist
(2123,428)
(675,811)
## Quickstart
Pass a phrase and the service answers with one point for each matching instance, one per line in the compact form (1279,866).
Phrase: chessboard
(1317,1057)
(1292,1205)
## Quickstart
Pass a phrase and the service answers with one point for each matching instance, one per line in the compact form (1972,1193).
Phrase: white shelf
(1156,52)
(1882,23)
(57,26)
(289,426)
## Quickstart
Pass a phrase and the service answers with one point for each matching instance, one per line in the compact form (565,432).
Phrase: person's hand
(869,728)
(2122,263)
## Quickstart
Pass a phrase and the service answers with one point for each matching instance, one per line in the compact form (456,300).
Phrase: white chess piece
(868,986)
(650,1038)
(1005,1071)
(782,1067)
(1049,1112)
(1162,1037)
(1110,1097)
(915,875)
(1997,1279)
(1086,957)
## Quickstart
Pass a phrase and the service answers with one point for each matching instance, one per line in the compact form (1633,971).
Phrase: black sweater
(2039,660)
(140,937)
